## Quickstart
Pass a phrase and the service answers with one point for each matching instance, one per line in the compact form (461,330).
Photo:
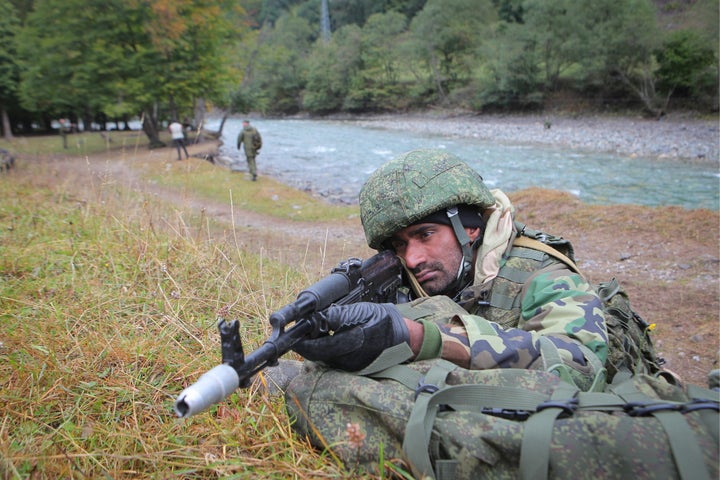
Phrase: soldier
(250,139)
(482,295)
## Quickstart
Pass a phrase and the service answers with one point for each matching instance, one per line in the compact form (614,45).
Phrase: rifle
(374,280)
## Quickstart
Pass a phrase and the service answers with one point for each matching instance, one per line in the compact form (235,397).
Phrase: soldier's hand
(360,332)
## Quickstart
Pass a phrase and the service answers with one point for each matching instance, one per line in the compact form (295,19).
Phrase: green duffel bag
(447,422)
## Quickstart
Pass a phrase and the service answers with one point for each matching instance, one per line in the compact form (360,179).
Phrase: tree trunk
(199,113)
(644,88)
(7,130)
(150,127)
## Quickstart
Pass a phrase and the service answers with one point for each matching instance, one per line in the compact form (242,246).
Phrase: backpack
(446,422)
(630,347)
(256,140)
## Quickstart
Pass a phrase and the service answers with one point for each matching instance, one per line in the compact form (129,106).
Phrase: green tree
(556,30)
(511,74)
(447,35)
(375,83)
(625,38)
(278,76)
(9,71)
(330,68)
(686,63)
(97,58)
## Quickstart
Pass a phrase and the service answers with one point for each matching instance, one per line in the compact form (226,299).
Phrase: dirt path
(667,258)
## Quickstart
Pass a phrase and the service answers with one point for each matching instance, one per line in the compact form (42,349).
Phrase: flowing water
(334,158)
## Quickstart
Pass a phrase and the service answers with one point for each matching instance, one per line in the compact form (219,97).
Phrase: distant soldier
(250,139)
(178,138)
(64,128)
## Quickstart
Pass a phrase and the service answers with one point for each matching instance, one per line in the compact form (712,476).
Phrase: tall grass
(108,304)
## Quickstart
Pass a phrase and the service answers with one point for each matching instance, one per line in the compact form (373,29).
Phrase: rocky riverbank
(688,139)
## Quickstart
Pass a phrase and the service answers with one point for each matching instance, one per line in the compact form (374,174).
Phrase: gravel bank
(675,138)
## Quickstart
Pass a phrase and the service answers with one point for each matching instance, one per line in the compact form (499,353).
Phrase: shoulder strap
(527,242)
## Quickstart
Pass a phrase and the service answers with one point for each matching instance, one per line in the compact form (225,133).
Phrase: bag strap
(700,394)
(434,396)
(528,242)
(420,424)
(685,449)
(537,437)
(388,358)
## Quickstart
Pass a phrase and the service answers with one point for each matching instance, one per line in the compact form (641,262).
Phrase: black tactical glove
(361,331)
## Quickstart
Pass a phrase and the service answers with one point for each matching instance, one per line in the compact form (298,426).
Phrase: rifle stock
(374,280)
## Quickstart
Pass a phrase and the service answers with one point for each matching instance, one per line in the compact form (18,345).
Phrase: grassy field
(108,306)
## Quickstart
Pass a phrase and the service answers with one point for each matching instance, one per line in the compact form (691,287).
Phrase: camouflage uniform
(521,310)
(546,313)
(245,140)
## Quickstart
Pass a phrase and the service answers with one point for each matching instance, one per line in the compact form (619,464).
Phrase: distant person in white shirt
(178,138)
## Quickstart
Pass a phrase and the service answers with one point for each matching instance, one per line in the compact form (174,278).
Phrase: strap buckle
(700,404)
(423,387)
(642,409)
(568,407)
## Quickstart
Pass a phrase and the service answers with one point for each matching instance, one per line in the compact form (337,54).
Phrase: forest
(100,62)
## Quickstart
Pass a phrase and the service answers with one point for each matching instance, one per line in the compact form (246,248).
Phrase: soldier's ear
(473,232)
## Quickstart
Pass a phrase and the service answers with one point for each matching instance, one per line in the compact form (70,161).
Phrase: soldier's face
(432,253)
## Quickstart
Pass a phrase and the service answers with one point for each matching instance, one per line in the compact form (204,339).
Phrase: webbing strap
(389,357)
(686,452)
(419,427)
(535,449)
(522,241)
(467,397)
(434,396)
(400,373)
(710,419)
(525,252)
(504,302)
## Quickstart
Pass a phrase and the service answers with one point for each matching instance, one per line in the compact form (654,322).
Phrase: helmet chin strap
(465,246)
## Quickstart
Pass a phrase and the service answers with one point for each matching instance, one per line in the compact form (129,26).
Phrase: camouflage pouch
(443,421)
(631,350)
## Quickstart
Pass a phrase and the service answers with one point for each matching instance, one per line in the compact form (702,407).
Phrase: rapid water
(334,158)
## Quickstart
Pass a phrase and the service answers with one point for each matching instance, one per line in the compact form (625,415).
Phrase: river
(334,158)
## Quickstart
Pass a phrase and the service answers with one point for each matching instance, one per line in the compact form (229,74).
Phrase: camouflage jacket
(245,141)
(525,309)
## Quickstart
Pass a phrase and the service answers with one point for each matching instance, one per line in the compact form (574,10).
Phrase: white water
(334,158)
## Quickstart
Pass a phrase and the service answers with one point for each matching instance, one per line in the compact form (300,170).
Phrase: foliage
(684,60)
(9,71)
(157,60)
(492,54)
(447,35)
(278,76)
(125,58)
(329,69)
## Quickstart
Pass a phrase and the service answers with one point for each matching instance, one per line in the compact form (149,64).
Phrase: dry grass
(108,301)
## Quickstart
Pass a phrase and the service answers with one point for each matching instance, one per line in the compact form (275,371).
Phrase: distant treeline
(483,55)
(155,60)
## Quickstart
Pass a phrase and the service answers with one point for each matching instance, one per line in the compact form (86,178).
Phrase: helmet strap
(465,245)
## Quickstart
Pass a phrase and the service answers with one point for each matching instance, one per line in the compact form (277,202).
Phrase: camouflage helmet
(414,185)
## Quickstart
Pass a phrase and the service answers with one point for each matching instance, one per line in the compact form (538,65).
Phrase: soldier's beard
(442,281)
